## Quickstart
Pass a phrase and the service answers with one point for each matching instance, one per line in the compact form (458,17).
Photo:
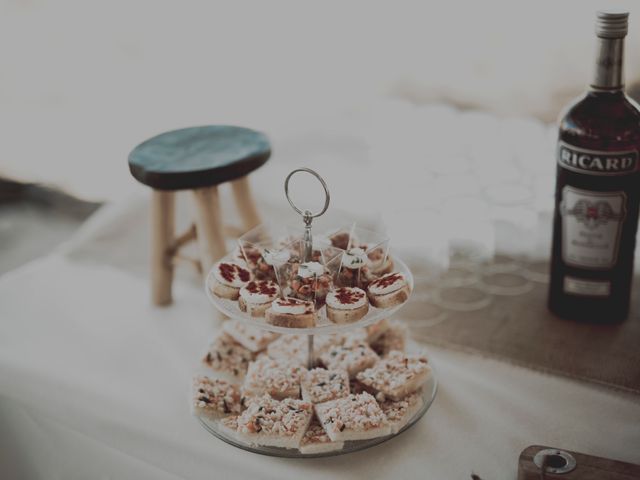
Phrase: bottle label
(592,162)
(591,227)
(589,288)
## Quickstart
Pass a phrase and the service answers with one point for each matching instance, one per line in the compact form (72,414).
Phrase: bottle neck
(609,68)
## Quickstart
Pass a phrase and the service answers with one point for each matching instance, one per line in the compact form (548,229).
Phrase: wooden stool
(196,159)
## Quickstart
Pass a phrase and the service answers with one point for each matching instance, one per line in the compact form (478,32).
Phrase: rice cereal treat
(367,334)
(356,387)
(399,412)
(228,279)
(252,338)
(229,426)
(316,440)
(356,417)
(227,357)
(394,338)
(397,375)
(291,348)
(214,398)
(319,385)
(294,348)
(353,358)
(275,423)
(374,331)
(278,378)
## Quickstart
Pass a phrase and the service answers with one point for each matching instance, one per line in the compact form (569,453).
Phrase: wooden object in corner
(587,467)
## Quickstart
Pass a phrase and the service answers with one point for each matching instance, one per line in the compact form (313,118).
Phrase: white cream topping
(275,258)
(382,285)
(310,269)
(334,302)
(354,258)
(232,271)
(291,306)
(259,296)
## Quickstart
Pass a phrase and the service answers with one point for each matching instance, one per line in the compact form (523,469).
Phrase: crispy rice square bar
(356,417)
(400,412)
(316,440)
(291,348)
(214,398)
(276,423)
(353,357)
(278,378)
(294,347)
(319,385)
(397,375)
(252,338)
(229,426)
(393,338)
(228,357)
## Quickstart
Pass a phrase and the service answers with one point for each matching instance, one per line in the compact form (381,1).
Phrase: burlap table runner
(521,330)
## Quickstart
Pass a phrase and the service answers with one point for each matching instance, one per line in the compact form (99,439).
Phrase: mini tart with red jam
(257,295)
(292,313)
(388,291)
(228,279)
(346,305)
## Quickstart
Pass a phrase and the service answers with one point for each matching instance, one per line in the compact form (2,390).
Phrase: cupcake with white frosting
(228,279)
(257,295)
(347,304)
(353,261)
(292,313)
(388,291)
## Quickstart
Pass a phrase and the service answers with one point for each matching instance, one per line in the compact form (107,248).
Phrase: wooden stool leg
(245,203)
(209,226)
(162,232)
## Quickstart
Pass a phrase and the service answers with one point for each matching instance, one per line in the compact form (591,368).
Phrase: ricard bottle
(597,190)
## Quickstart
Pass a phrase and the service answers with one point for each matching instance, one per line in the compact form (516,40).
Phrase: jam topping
(231,273)
(292,306)
(291,302)
(263,287)
(387,280)
(348,296)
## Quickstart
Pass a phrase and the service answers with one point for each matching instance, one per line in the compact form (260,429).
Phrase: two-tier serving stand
(323,327)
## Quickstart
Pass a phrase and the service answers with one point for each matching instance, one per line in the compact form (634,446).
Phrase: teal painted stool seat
(196,159)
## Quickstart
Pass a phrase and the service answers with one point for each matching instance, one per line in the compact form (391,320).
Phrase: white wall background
(82,82)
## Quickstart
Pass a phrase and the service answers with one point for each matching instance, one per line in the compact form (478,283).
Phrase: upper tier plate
(323,324)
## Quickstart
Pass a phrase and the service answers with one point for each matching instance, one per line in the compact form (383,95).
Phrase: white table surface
(94,381)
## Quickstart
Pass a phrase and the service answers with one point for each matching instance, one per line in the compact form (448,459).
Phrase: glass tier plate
(428,396)
(323,324)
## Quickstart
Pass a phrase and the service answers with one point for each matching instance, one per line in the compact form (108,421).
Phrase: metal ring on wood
(306,213)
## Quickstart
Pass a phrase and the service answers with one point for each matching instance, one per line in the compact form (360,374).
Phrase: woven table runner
(521,330)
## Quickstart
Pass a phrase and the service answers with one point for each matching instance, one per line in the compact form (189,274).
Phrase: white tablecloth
(94,384)
(94,381)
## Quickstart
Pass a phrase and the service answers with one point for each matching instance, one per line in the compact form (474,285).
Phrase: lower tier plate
(429,390)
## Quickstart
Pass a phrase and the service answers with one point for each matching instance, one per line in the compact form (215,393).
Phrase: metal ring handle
(306,213)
